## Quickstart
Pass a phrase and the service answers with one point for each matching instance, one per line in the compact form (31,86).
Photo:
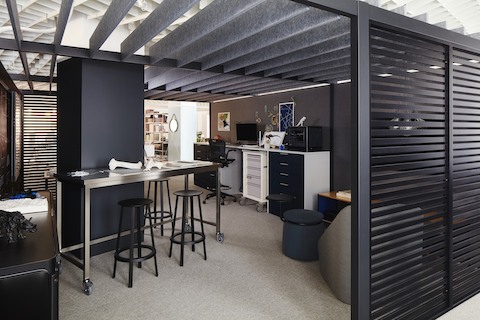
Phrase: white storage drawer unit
(255,175)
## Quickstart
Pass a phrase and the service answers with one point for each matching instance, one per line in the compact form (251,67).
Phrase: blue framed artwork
(286,115)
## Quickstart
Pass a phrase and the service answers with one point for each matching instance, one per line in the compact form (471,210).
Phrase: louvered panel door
(466,175)
(408,177)
(39,141)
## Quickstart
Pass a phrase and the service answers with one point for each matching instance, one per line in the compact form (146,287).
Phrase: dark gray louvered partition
(39,141)
(466,175)
(409,167)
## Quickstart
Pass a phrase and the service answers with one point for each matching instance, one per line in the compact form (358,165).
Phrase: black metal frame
(363,16)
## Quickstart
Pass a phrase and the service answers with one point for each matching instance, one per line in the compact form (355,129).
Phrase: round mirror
(173,124)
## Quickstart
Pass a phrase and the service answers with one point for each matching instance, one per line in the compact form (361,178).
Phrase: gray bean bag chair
(334,251)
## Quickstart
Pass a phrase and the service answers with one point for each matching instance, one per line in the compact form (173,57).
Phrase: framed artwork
(223,121)
(286,114)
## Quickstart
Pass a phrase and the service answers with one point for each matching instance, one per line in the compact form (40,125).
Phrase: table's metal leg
(220,235)
(59,214)
(87,284)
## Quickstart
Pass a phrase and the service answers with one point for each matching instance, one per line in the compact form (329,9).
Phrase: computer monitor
(247,132)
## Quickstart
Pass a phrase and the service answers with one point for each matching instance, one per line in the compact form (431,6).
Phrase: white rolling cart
(255,171)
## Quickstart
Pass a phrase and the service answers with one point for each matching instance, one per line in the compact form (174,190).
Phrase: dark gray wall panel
(100,116)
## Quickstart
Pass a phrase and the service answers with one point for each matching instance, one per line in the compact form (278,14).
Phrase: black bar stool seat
(195,236)
(280,198)
(162,213)
(137,205)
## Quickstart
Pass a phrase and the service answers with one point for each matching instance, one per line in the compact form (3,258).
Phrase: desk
(99,178)
(29,271)
(330,204)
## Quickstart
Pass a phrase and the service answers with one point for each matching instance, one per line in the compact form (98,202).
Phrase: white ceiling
(84,21)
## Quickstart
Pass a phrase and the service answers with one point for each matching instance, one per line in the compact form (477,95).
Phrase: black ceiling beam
(6,80)
(213,16)
(62,20)
(22,77)
(17,31)
(116,11)
(163,16)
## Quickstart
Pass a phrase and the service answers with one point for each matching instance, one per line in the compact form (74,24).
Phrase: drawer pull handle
(284,174)
(284,184)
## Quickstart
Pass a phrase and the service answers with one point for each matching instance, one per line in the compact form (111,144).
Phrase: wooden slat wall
(39,141)
(408,177)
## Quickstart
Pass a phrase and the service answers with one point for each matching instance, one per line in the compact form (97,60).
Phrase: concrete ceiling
(198,50)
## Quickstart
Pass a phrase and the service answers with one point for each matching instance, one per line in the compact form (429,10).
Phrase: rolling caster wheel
(242,201)
(87,287)
(235,199)
(220,237)
(260,208)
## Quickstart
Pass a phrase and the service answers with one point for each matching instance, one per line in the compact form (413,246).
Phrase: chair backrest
(218,151)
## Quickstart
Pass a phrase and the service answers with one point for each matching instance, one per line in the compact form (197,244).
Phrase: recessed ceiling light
(473,61)
(412,70)
(344,81)
(457,64)
(384,75)
(435,67)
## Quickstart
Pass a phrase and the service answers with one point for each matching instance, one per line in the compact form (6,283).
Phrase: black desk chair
(219,154)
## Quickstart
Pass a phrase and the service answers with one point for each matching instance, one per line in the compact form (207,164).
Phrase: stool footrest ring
(200,238)
(137,259)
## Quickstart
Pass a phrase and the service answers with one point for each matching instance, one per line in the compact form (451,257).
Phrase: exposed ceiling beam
(110,20)
(6,80)
(17,31)
(164,15)
(210,18)
(65,9)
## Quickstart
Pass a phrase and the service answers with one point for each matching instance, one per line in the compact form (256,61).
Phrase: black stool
(195,236)
(301,230)
(281,198)
(137,205)
(163,214)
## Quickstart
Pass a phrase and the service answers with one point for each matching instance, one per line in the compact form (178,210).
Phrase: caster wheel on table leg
(220,237)
(260,207)
(87,287)
(242,201)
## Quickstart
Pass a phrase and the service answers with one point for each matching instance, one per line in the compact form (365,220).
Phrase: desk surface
(333,195)
(38,246)
(104,177)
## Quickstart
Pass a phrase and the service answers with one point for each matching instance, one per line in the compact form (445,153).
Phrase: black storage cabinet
(29,271)
(206,180)
(286,175)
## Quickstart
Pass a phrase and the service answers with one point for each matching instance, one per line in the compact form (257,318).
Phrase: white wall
(180,143)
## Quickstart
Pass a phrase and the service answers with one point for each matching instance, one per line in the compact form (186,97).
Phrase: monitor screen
(247,132)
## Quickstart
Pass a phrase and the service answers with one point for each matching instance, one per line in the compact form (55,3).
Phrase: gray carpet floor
(245,277)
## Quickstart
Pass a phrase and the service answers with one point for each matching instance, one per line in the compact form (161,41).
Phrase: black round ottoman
(301,230)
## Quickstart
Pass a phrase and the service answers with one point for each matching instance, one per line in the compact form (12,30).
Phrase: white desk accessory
(152,163)
(300,123)
(113,164)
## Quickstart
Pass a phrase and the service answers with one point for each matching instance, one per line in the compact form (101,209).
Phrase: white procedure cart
(255,175)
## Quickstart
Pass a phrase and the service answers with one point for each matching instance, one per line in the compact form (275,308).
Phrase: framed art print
(286,114)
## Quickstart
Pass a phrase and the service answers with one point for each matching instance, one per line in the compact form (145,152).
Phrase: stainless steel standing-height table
(99,178)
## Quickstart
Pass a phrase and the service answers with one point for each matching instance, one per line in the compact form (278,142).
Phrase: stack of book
(344,194)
